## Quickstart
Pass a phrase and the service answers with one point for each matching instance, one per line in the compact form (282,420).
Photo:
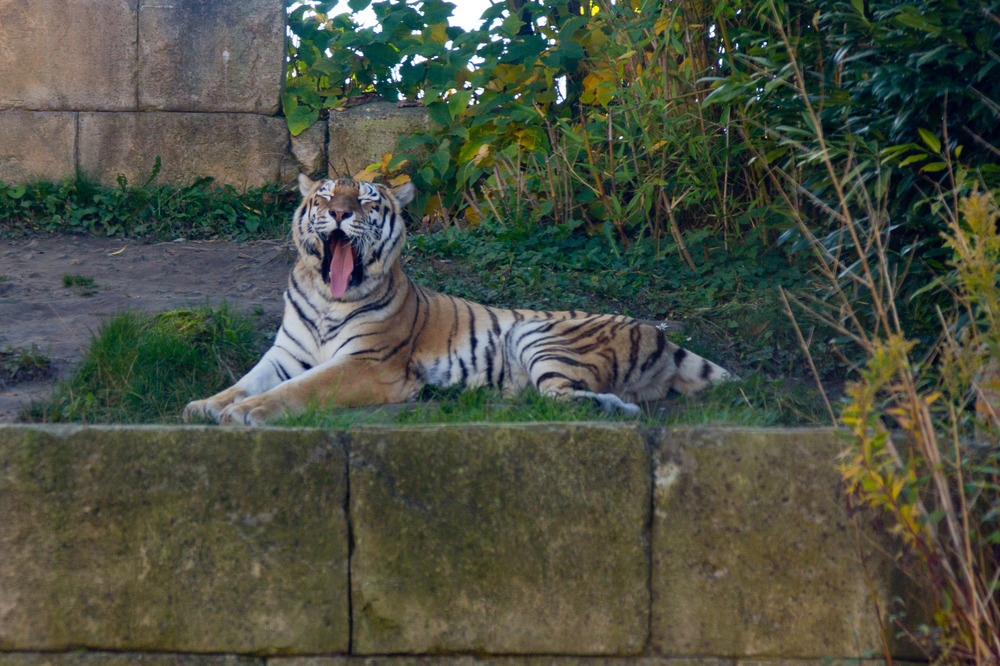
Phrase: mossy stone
(499,539)
(172,539)
(754,554)
(81,658)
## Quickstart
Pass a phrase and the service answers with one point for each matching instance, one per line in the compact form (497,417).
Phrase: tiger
(357,331)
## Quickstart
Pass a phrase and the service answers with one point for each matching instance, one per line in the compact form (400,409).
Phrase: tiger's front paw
(254,411)
(211,408)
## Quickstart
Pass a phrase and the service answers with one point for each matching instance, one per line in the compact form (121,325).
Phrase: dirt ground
(37,310)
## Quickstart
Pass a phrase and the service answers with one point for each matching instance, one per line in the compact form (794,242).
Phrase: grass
(23,365)
(146,210)
(83,286)
(143,368)
(745,403)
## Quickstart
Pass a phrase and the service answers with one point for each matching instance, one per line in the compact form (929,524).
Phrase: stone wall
(104,87)
(534,544)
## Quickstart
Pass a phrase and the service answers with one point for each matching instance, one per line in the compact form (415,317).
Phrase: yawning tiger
(357,331)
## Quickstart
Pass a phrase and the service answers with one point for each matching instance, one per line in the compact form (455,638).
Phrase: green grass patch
(146,211)
(82,285)
(754,403)
(143,368)
(23,365)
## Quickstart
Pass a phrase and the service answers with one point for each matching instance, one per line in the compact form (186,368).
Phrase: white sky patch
(467,13)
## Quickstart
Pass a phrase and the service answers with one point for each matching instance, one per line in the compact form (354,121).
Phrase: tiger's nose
(339,215)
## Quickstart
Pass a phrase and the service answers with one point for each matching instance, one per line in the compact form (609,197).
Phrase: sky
(466,14)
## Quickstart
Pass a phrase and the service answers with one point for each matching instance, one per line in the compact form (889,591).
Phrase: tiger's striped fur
(357,331)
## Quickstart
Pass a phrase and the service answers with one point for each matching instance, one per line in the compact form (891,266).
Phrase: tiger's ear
(404,192)
(306,184)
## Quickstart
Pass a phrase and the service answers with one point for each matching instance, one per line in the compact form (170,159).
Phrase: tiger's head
(350,232)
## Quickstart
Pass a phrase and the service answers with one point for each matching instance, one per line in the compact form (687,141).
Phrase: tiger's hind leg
(567,381)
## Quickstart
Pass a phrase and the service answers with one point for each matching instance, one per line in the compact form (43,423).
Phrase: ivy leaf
(297,116)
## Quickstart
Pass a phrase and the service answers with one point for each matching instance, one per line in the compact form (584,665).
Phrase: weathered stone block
(499,539)
(242,150)
(361,135)
(122,659)
(753,553)
(211,55)
(179,540)
(309,149)
(37,145)
(469,660)
(68,54)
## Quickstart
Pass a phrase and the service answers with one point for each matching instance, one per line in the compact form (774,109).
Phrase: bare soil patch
(37,309)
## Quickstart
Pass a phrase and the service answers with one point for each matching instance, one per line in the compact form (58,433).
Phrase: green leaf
(911,159)
(929,139)
(912,19)
(459,102)
(298,117)
(511,25)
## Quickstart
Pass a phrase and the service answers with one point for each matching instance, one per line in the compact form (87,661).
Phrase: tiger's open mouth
(341,266)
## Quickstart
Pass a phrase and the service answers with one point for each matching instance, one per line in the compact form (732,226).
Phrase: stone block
(753,552)
(361,135)
(499,539)
(211,55)
(37,145)
(242,150)
(309,150)
(172,540)
(122,659)
(68,55)
(470,660)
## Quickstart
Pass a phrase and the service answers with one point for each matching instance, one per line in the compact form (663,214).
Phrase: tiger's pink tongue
(340,267)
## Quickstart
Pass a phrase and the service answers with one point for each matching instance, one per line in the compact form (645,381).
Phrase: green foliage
(82,285)
(143,368)
(23,365)
(566,112)
(935,479)
(897,98)
(152,212)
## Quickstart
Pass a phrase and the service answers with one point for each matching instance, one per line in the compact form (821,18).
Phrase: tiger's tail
(694,373)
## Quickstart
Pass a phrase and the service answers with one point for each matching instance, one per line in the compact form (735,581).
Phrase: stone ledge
(753,552)
(470,540)
(173,539)
(122,659)
(146,659)
(499,539)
